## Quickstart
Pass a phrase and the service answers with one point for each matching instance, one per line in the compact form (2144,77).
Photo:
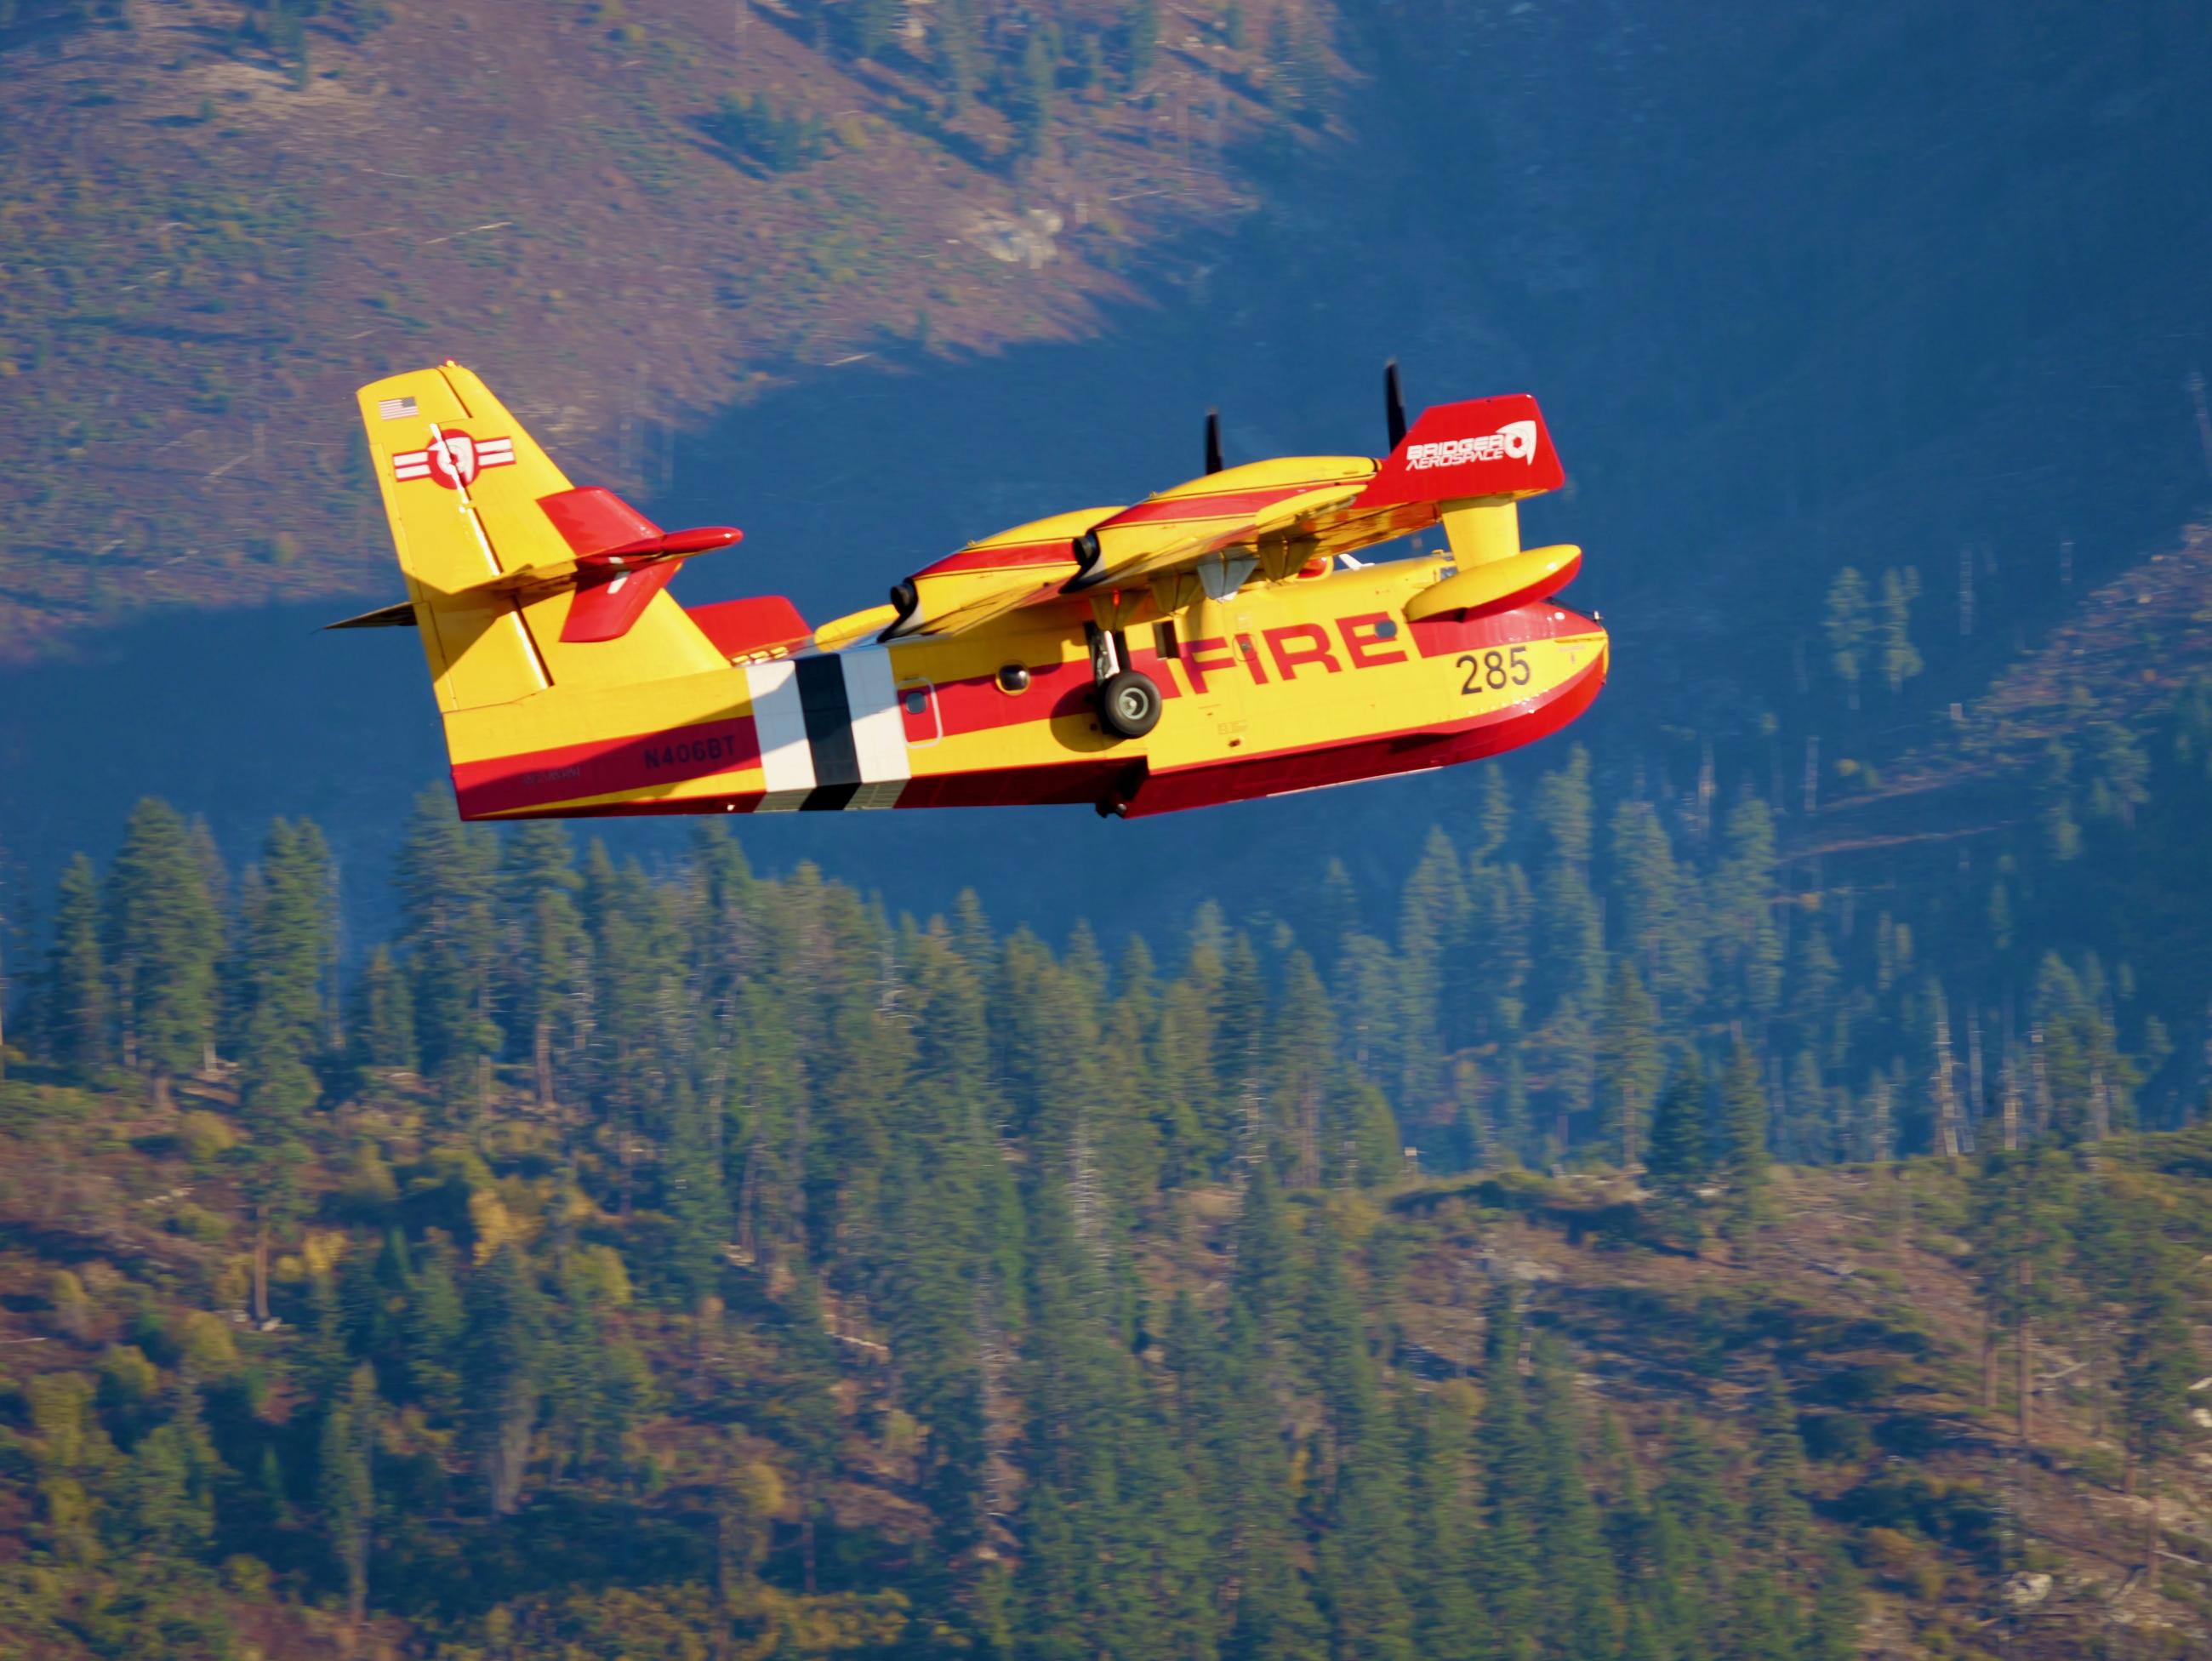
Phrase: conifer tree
(1578,1599)
(383,1022)
(1742,1148)
(449,935)
(284,942)
(1780,1519)
(1848,626)
(1036,87)
(1680,1162)
(504,1348)
(1140,36)
(1433,914)
(543,943)
(433,1325)
(693,1193)
(1301,1053)
(1513,1468)
(1630,1065)
(1448,1616)
(346,1488)
(161,940)
(1575,960)
(1746,945)
(1656,907)
(2016,1230)
(1833,1635)
(76,1016)
(1901,659)
(2158,1364)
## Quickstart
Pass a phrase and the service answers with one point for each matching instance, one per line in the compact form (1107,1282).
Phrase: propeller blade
(1394,399)
(1213,440)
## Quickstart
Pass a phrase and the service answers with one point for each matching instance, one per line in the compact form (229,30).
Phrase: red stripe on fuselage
(977,705)
(1280,772)
(505,784)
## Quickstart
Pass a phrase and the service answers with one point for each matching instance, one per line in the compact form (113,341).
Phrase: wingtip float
(1217,642)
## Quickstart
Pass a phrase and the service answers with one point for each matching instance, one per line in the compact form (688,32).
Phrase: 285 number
(1494,671)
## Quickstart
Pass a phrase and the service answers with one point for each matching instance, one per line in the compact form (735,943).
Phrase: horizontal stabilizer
(619,561)
(401,615)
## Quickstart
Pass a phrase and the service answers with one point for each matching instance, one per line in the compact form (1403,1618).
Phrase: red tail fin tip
(1485,449)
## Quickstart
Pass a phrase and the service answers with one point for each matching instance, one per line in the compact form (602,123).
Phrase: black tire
(1129,704)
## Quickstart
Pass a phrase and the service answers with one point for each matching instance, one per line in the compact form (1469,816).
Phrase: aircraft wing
(1219,554)
(1270,520)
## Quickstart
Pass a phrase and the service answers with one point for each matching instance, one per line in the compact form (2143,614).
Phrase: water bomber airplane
(1219,641)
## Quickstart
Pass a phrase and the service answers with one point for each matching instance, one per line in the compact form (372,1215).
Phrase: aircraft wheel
(1129,704)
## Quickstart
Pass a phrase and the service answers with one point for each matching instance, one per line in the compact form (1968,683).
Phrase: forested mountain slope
(222,217)
(707,1264)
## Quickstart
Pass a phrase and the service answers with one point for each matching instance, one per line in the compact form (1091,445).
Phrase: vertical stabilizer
(464,485)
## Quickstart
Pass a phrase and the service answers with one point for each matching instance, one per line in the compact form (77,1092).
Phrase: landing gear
(1129,704)
(1128,700)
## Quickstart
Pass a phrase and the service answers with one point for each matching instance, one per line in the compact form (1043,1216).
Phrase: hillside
(709,1263)
(125,1288)
(220,218)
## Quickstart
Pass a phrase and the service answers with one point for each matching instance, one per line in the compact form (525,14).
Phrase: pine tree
(1513,1466)
(383,1021)
(1433,915)
(1780,1519)
(346,1490)
(1630,1065)
(1743,1149)
(504,1347)
(2158,1363)
(449,936)
(284,941)
(1576,960)
(433,1326)
(1300,1052)
(1656,907)
(1746,946)
(1448,1616)
(2016,1230)
(1140,36)
(1679,1162)
(77,1017)
(161,938)
(1848,627)
(1581,1612)
(1834,1634)
(1901,659)
(542,945)
(1035,90)
(957,54)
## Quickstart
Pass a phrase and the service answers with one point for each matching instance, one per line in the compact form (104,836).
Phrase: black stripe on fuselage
(828,715)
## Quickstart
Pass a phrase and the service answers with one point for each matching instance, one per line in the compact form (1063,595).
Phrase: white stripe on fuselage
(780,725)
(879,729)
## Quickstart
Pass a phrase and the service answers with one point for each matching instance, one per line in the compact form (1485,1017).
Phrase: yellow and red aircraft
(1219,641)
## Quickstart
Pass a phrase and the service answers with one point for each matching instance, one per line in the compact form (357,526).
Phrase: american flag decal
(453,459)
(395,408)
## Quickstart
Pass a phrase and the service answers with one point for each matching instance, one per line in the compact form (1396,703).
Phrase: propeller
(1394,413)
(1213,440)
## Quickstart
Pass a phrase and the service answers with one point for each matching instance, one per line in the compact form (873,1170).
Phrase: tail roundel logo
(452,458)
